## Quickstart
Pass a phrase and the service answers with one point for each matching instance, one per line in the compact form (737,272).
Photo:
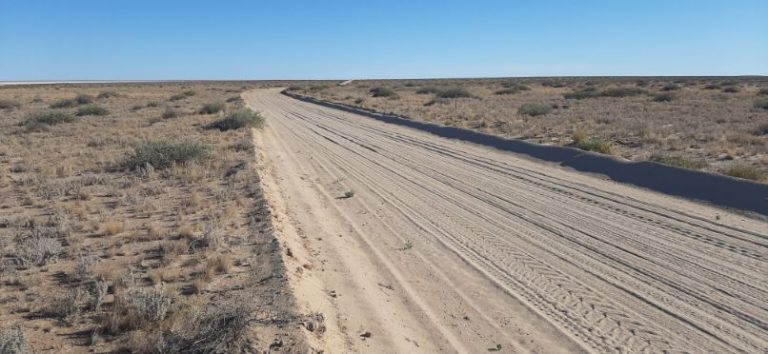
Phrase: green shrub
(84,99)
(429,90)
(712,87)
(663,97)
(49,118)
(177,97)
(92,111)
(622,92)
(592,144)
(731,89)
(761,129)
(239,119)
(153,104)
(163,154)
(745,171)
(383,92)
(235,99)
(294,88)
(457,92)
(8,104)
(136,107)
(680,161)
(581,94)
(64,103)
(107,94)
(761,104)
(534,109)
(189,93)
(211,108)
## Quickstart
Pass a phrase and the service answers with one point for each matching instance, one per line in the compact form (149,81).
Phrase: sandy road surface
(448,246)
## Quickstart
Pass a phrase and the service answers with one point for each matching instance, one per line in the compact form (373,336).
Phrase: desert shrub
(107,94)
(622,92)
(663,97)
(761,129)
(680,161)
(211,108)
(534,109)
(591,144)
(38,249)
(49,118)
(136,107)
(456,92)
(552,83)
(137,308)
(429,90)
(745,171)
(515,86)
(189,93)
(761,104)
(170,113)
(239,119)
(153,104)
(64,103)
(581,94)
(235,99)
(84,99)
(763,92)
(8,104)
(317,88)
(670,87)
(215,329)
(177,97)
(13,341)
(92,111)
(294,88)
(64,304)
(359,101)
(164,154)
(383,92)
(712,87)
(731,89)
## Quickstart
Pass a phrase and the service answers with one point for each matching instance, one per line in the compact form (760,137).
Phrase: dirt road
(452,247)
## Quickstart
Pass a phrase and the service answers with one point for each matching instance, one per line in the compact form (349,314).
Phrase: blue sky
(298,39)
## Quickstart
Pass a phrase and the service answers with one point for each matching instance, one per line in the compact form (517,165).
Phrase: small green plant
(92,111)
(407,245)
(239,119)
(680,161)
(745,171)
(164,154)
(347,195)
(49,118)
(8,104)
(663,97)
(211,108)
(581,141)
(383,92)
(457,92)
(534,109)
(761,104)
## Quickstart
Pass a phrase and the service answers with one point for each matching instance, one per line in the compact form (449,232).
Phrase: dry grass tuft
(113,227)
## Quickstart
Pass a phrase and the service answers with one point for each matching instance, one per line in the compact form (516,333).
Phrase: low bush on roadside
(211,108)
(581,141)
(383,92)
(663,97)
(745,171)
(680,161)
(164,154)
(534,109)
(239,119)
(456,92)
(8,104)
(761,104)
(92,111)
(49,118)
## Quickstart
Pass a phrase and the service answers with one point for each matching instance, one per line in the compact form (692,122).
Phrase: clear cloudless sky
(314,39)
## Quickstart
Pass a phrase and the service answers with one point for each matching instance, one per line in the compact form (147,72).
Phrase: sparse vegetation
(581,141)
(622,92)
(164,154)
(64,103)
(670,87)
(456,92)
(239,119)
(13,341)
(170,113)
(84,99)
(534,109)
(427,90)
(383,92)
(745,171)
(49,118)
(761,129)
(9,104)
(211,108)
(680,161)
(107,94)
(763,92)
(92,111)
(760,104)
(663,97)
(731,89)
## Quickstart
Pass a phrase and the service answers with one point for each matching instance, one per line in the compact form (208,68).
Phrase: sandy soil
(451,247)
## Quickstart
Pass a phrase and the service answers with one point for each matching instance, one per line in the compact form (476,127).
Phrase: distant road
(408,242)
